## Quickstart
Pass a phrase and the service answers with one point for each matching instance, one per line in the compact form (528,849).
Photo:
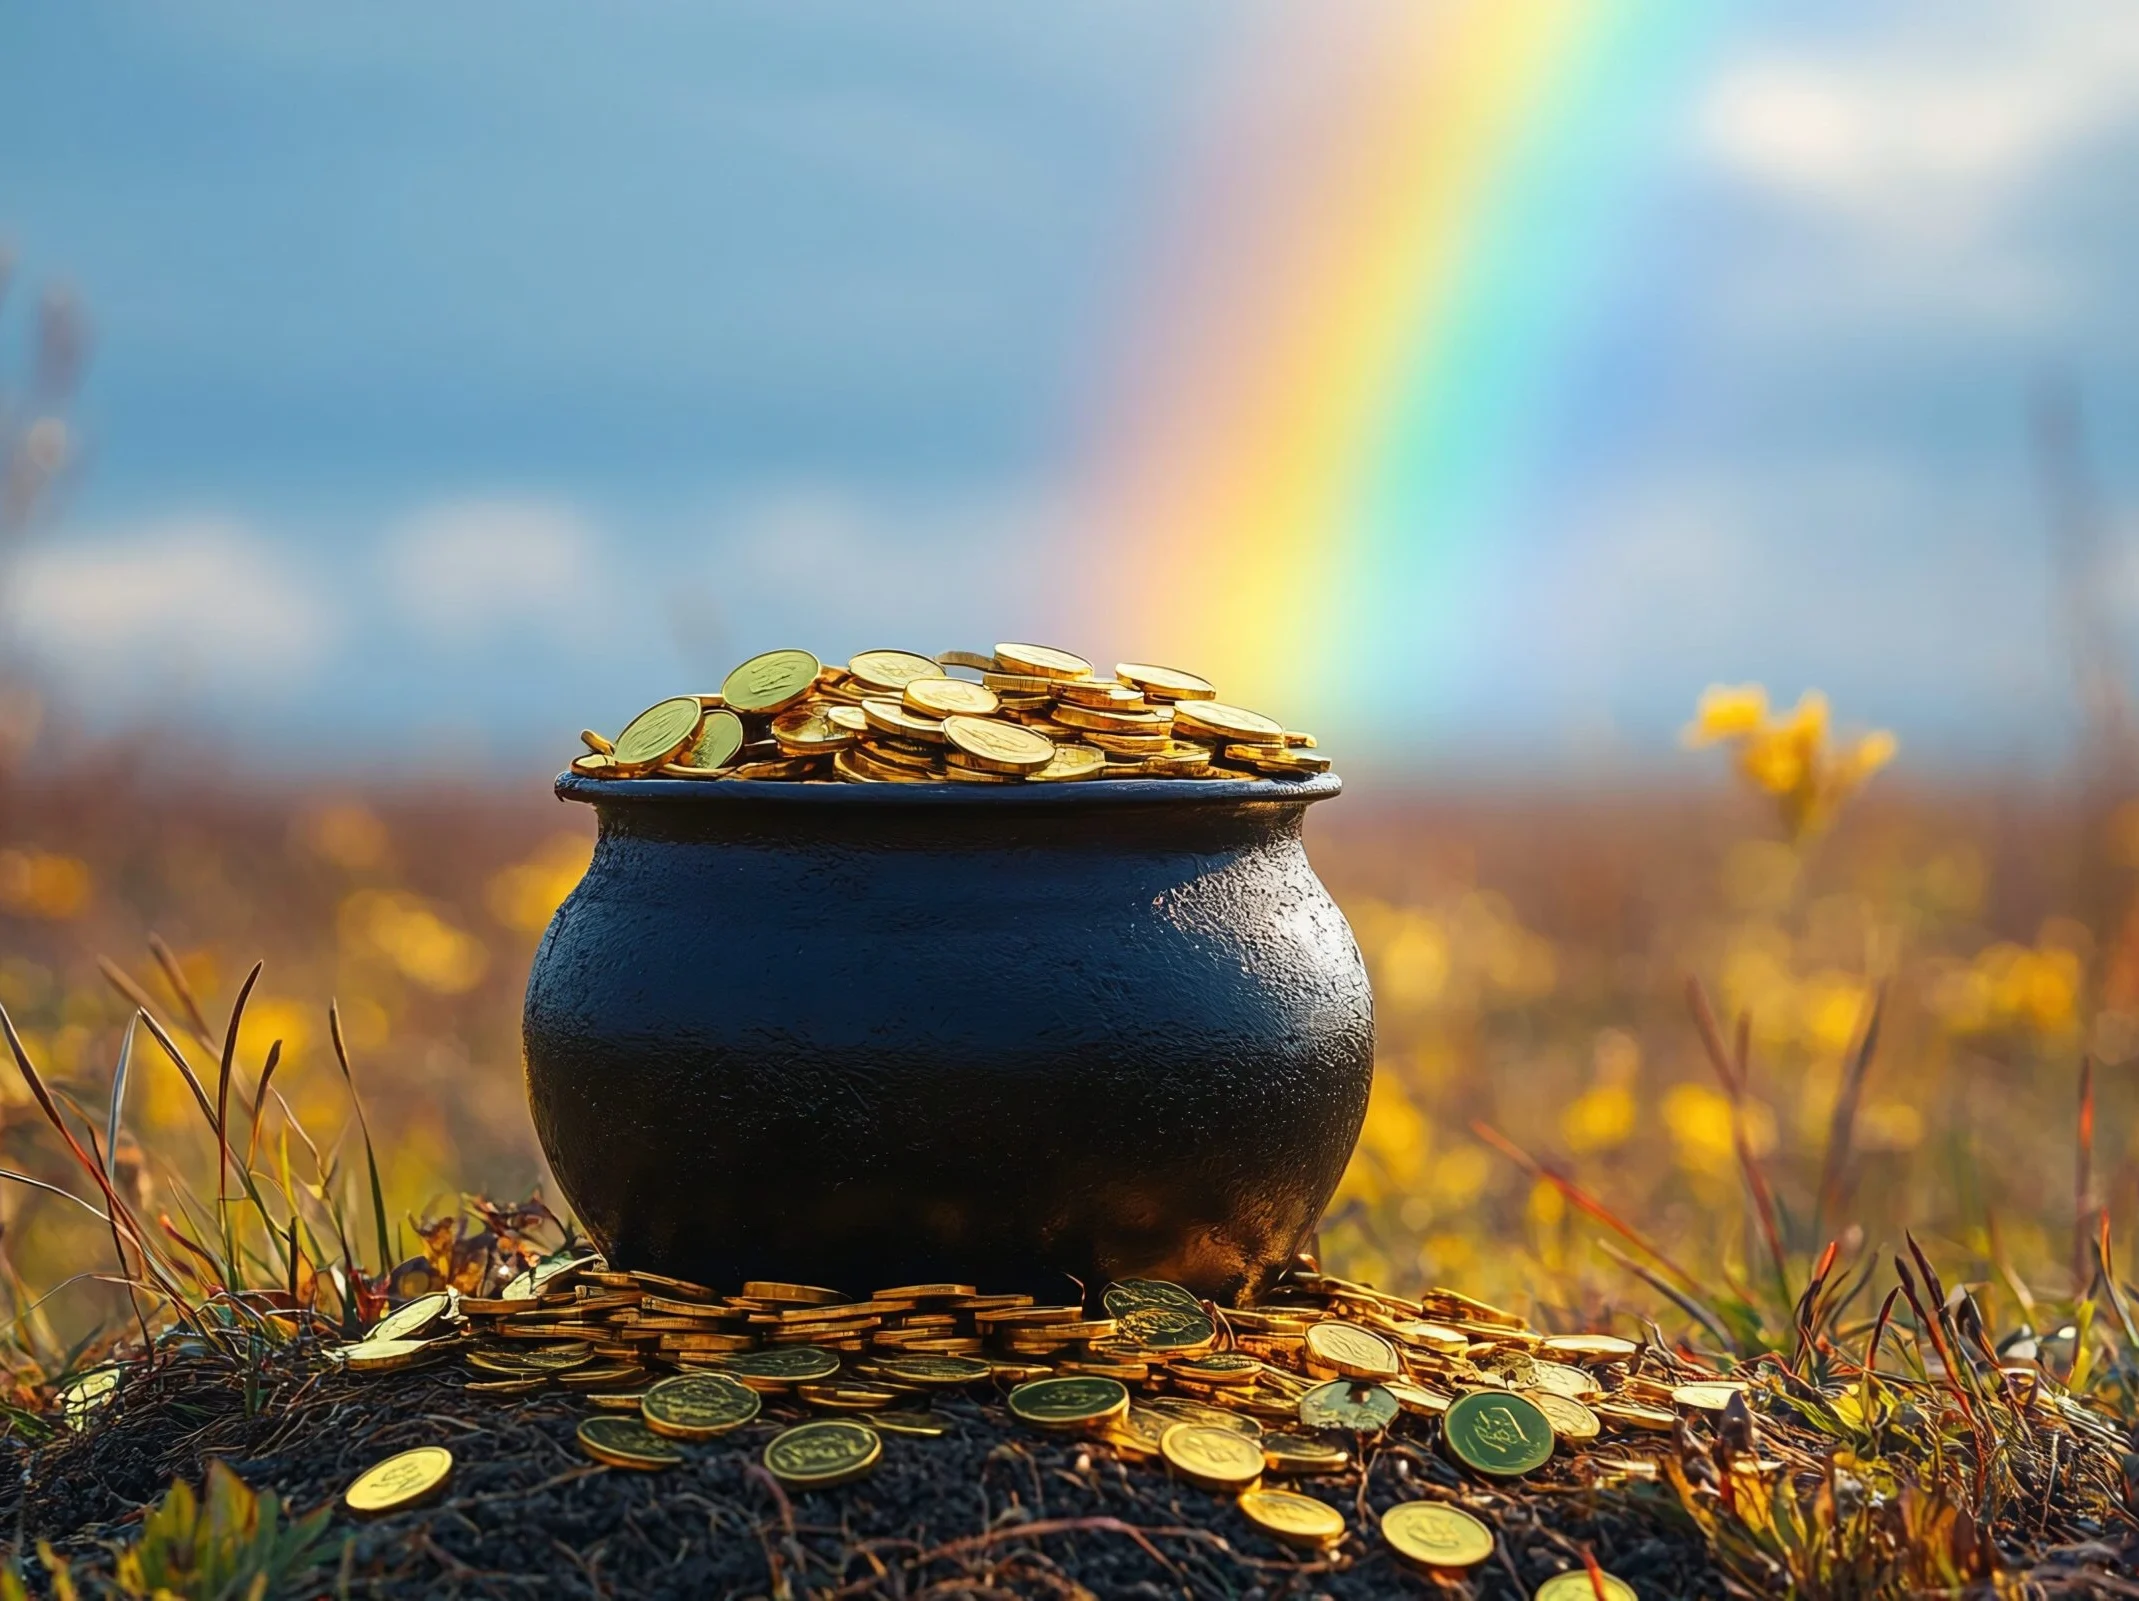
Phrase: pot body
(863,1036)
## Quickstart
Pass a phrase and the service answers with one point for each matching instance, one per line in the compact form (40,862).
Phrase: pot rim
(1093,792)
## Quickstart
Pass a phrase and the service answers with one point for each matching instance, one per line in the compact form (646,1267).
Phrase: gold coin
(1169,1328)
(1344,1350)
(1042,661)
(1183,1410)
(1022,685)
(837,1397)
(889,717)
(596,765)
(966,658)
(1270,759)
(626,1442)
(399,1481)
(781,1365)
(1127,744)
(948,697)
(1165,683)
(1179,760)
(892,669)
(1217,1459)
(411,1321)
(1576,1585)
(785,1294)
(815,730)
(1295,1519)
(775,771)
(719,739)
(1103,693)
(658,733)
(1705,1397)
(918,1424)
(998,747)
(818,1455)
(856,768)
(557,1358)
(1112,722)
(770,682)
(80,1397)
(1069,764)
(849,718)
(1140,1430)
(1293,1454)
(1232,725)
(1069,1403)
(1558,1377)
(1497,1432)
(1570,1419)
(958,773)
(527,1384)
(1417,1398)
(1429,1534)
(698,1406)
(597,744)
(1225,1368)
(383,1356)
(935,1372)
(1591,1347)
(1633,1415)
(1342,1404)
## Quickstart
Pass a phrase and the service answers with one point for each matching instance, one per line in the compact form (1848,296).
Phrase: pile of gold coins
(1028,714)
(1225,1398)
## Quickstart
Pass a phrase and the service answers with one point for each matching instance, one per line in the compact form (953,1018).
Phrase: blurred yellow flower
(1598,1119)
(1727,711)
(1699,1119)
(1390,1159)
(2012,986)
(422,945)
(1789,758)
(36,883)
(346,833)
(525,896)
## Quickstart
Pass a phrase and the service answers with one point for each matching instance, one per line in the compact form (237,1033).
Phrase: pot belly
(862,1069)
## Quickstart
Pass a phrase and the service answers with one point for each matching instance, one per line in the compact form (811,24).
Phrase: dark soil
(990,1508)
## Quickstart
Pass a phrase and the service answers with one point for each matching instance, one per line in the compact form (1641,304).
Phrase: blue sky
(466,374)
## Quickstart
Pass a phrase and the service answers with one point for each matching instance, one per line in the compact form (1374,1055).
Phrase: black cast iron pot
(870,1035)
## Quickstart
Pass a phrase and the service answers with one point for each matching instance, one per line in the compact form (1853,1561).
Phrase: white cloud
(1925,146)
(466,568)
(199,602)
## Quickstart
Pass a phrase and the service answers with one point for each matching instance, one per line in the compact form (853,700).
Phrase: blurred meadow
(1503,391)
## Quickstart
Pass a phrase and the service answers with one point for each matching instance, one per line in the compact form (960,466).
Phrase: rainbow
(1342,377)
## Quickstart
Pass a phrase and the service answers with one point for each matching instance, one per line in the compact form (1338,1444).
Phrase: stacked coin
(1022,714)
(1224,1398)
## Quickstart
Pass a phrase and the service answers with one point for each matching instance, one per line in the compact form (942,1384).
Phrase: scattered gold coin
(698,1406)
(400,1481)
(1430,1534)
(1705,1397)
(816,1456)
(1295,1519)
(411,1321)
(1071,1403)
(1576,1585)
(626,1442)
(1215,1458)
(1344,1350)
(383,1356)
(1570,1419)
(1291,1455)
